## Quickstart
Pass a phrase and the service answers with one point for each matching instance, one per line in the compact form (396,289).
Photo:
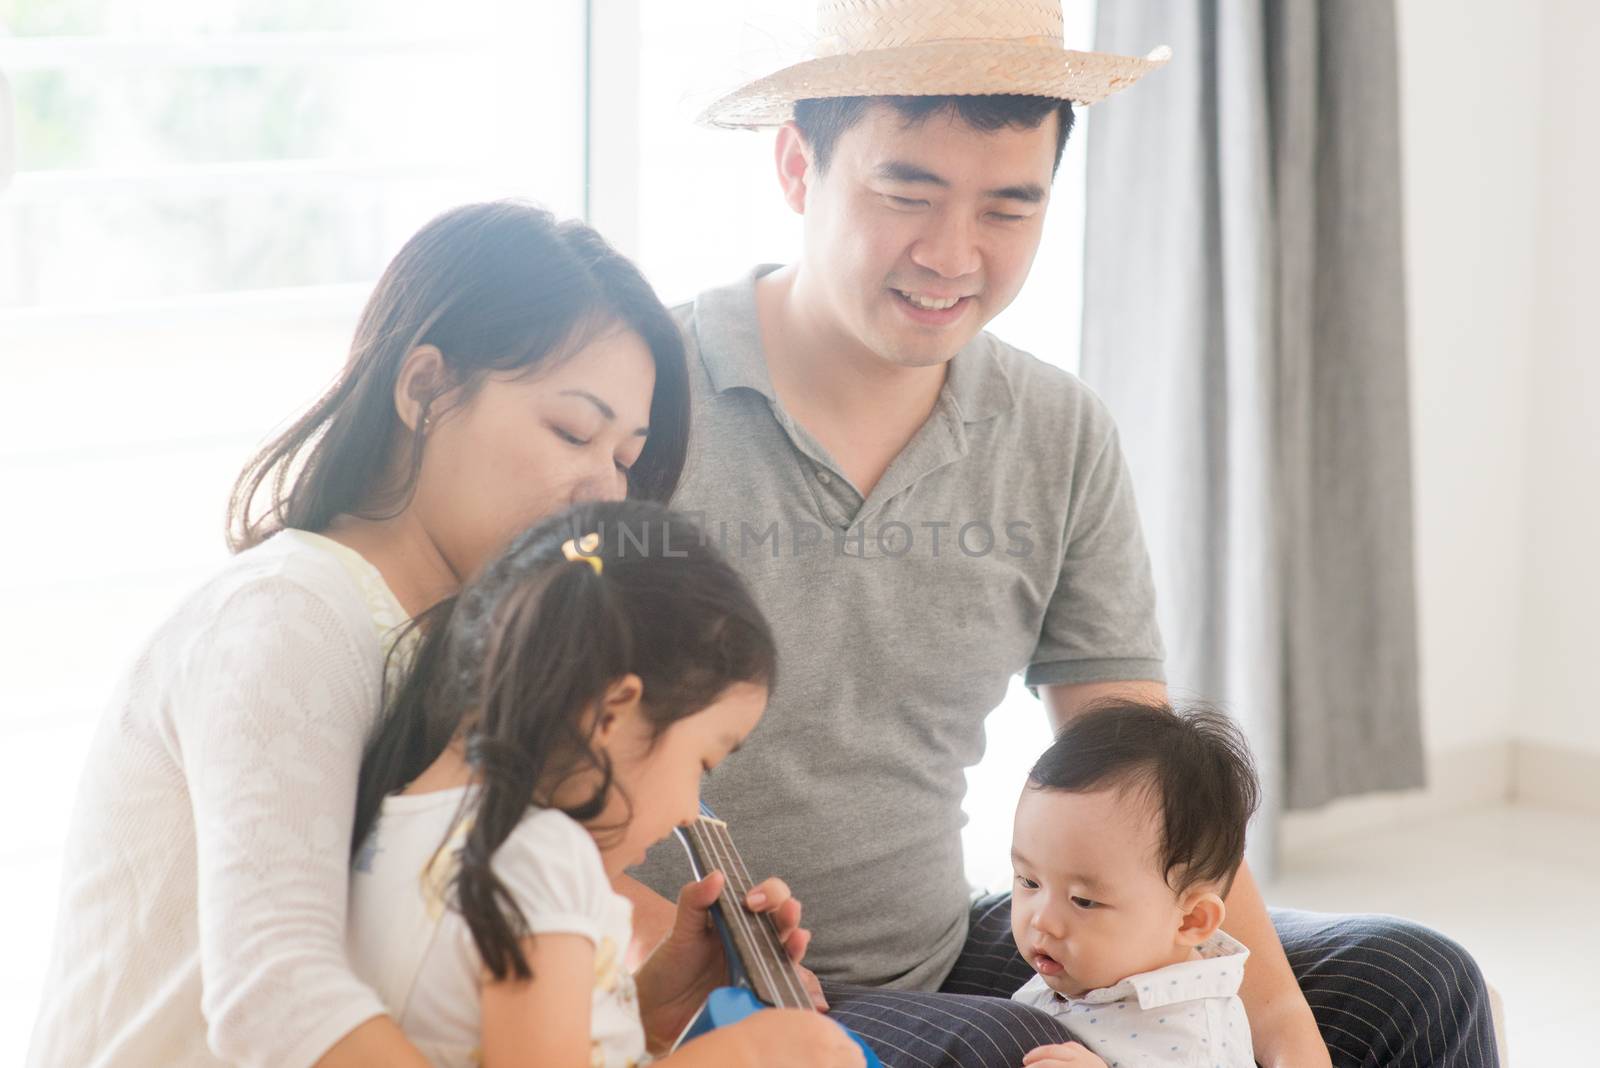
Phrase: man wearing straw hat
(925,511)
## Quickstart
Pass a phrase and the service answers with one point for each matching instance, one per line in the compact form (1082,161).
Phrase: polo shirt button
(823,477)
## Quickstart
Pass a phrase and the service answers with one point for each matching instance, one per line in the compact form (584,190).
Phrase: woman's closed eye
(568,436)
(577,441)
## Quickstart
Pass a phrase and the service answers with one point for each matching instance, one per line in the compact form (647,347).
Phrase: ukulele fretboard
(771,972)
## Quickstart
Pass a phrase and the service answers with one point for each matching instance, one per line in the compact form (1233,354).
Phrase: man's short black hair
(1193,767)
(822,122)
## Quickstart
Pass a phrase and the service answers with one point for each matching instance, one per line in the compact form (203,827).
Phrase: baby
(1127,839)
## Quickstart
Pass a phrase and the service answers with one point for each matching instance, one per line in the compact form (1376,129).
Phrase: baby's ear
(1203,913)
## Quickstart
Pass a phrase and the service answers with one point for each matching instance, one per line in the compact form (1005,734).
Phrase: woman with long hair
(507,366)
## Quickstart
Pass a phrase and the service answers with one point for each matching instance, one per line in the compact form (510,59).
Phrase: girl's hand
(688,964)
(1065,1055)
(775,898)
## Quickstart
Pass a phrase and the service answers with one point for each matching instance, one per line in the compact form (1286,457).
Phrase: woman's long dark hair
(521,658)
(501,286)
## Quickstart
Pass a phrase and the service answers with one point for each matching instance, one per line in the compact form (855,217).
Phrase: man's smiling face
(917,234)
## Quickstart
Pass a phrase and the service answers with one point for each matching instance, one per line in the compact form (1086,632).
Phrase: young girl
(557,723)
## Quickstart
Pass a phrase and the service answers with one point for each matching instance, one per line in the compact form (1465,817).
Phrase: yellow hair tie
(583,549)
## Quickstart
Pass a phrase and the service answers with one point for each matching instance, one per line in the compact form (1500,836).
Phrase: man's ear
(1203,913)
(423,379)
(619,708)
(795,166)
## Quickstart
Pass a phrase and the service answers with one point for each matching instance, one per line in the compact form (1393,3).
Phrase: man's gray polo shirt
(1003,539)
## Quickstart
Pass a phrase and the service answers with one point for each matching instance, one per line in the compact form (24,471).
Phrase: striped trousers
(1386,993)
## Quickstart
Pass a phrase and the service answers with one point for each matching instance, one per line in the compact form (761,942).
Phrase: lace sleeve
(271,714)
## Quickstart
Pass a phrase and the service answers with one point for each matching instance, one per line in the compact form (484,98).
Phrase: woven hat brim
(953,68)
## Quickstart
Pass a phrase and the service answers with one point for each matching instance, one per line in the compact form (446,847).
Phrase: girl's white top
(207,869)
(418,953)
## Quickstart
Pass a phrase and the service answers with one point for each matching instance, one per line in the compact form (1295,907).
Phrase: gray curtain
(1244,317)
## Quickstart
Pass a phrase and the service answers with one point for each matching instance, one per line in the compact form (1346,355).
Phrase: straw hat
(934,48)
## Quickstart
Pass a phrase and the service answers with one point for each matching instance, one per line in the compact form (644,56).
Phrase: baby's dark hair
(1193,767)
(516,662)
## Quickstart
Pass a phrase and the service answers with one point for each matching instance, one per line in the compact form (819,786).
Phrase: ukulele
(760,973)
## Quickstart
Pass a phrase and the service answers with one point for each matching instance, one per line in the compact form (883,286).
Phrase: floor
(1517,886)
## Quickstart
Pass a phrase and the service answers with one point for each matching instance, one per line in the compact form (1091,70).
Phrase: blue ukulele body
(729,1004)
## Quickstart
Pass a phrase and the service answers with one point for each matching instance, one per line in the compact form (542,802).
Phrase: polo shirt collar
(978,383)
(728,330)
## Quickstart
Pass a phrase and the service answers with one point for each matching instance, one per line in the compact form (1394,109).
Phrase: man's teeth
(928,303)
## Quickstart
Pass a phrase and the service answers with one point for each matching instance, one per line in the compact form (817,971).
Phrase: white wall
(1557,702)
(1502,153)
(1470,100)
(1503,235)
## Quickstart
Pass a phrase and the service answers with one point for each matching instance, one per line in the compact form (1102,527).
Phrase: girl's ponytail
(557,648)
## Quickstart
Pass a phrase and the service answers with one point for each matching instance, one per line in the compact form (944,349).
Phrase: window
(178,148)
(205,191)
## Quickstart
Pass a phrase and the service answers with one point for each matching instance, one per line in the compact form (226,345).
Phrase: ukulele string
(785,987)
(780,955)
(733,909)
